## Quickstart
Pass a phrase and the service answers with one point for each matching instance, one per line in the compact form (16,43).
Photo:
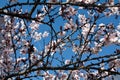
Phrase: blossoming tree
(59,40)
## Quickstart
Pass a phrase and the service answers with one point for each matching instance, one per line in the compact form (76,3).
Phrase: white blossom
(23,51)
(82,18)
(45,34)
(34,25)
(40,17)
(62,33)
(118,27)
(115,10)
(86,29)
(37,36)
(13,0)
(102,26)
(67,61)
(21,59)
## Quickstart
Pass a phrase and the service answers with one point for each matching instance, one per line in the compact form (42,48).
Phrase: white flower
(6,17)
(113,38)
(1,61)
(44,9)
(3,41)
(15,37)
(22,22)
(59,40)
(40,17)
(119,41)
(17,25)
(79,0)
(76,77)
(13,0)
(45,34)
(22,25)
(62,33)
(87,1)
(53,0)
(118,27)
(95,50)
(23,51)
(37,36)
(2,20)
(34,25)
(8,35)
(115,10)
(115,63)
(21,59)
(9,78)
(73,0)
(35,49)
(63,44)
(82,18)
(26,43)
(101,24)
(67,61)
(47,48)
(48,76)
(33,57)
(75,49)
(118,33)
(82,74)
(64,76)
(71,11)
(111,2)
(105,40)
(67,26)
(85,29)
